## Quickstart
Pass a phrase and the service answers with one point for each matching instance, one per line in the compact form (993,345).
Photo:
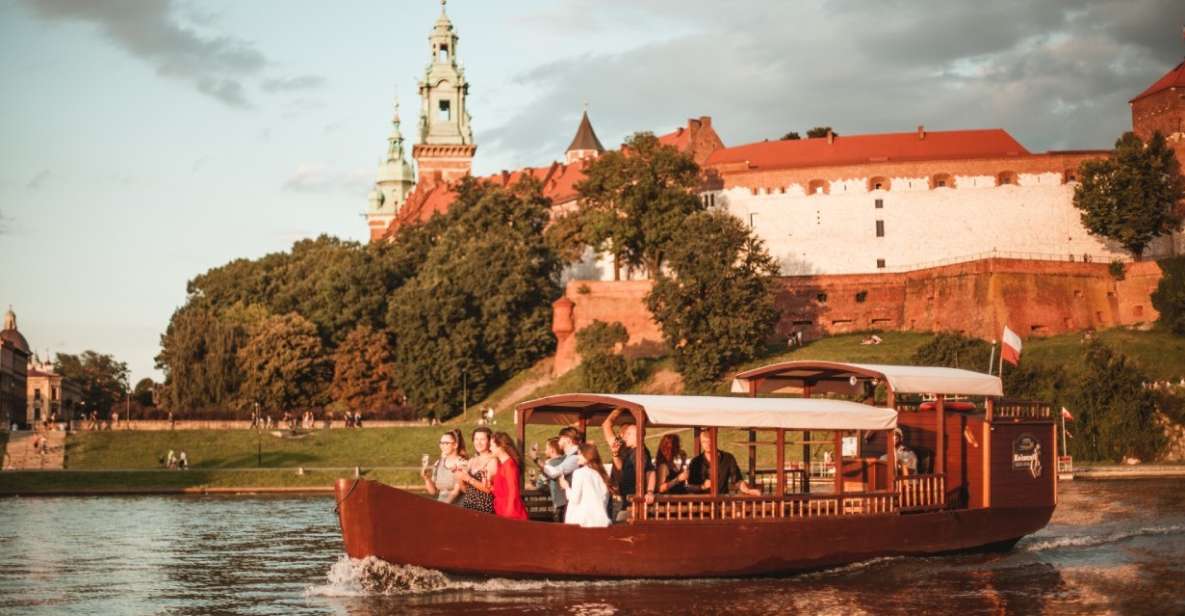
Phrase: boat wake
(1078,541)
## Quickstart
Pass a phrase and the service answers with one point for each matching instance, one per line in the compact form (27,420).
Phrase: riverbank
(1129,471)
(194,481)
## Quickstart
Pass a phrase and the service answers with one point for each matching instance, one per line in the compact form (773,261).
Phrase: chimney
(830,136)
(705,121)
(921,132)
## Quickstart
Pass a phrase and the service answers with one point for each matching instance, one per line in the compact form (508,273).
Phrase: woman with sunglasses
(439,479)
(477,493)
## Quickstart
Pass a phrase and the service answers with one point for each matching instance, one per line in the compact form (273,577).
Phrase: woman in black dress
(478,494)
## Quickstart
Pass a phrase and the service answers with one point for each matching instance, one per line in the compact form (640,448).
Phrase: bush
(1169,297)
(603,368)
(954,350)
(1116,415)
(1117,270)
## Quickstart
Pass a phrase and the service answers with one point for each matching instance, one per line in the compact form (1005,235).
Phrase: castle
(897,220)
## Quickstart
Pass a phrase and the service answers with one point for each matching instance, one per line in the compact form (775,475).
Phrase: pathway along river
(1112,547)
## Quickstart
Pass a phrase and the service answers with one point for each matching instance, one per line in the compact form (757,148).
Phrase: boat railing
(1022,409)
(921,492)
(798,506)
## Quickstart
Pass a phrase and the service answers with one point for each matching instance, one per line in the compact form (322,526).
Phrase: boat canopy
(826,377)
(718,411)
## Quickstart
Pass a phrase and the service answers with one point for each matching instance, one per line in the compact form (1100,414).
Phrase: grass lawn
(1159,353)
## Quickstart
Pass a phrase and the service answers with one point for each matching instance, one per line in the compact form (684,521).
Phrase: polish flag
(1010,349)
(1066,414)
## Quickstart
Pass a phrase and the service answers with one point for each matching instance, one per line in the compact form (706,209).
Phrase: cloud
(39,180)
(289,84)
(216,65)
(319,178)
(1056,75)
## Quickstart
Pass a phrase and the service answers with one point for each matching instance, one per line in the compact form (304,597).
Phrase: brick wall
(1035,298)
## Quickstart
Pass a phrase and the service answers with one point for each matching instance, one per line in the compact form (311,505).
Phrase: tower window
(446,110)
(880,203)
(442,55)
(880,228)
(880,263)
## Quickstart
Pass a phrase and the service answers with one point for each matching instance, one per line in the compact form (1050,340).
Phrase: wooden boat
(987,478)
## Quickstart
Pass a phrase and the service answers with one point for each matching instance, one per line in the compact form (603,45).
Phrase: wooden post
(780,482)
(695,448)
(640,464)
(940,431)
(582,426)
(891,458)
(806,448)
(523,416)
(713,434)
(838,458)
(752,457)
(890,397)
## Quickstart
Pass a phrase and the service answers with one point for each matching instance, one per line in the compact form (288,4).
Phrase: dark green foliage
(791,136)
(102,379)
(717,308)
(1033,381)
(954,350)
(633,203)
(1169,296)
(1172,405)
(284,365)
(1132,197)
(199,356)
(1115,414)
(479,307)
(1117,270)
(603,368)
(820,131)
(142,394)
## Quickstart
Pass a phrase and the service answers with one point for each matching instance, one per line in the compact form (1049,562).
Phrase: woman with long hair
(588,494)
(671,465)
(474,478)
(439,479)
(508,497)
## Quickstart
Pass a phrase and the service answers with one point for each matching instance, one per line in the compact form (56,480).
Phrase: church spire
(585,144)
(395,140)
(444,118)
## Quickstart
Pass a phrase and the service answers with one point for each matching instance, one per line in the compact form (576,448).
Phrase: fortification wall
(1035,298)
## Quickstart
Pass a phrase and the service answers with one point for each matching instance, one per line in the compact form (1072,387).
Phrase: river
(1111,548)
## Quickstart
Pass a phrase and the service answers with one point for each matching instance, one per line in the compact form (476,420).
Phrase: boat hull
(403,528)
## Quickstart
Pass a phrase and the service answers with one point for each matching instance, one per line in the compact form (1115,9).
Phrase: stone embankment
(22,454)
(1134,471)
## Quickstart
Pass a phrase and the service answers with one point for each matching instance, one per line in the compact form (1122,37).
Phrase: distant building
(14,367)
(50,395)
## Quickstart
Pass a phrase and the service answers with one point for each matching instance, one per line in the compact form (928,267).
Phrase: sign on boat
(981,484)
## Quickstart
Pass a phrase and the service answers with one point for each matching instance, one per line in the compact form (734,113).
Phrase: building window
(880,264)
(821,298)
(942,180)
(816,187)
(1070,175)
(446,110)
(878,183)
(1006,178)
(880,203)
(880,228)
(443,53)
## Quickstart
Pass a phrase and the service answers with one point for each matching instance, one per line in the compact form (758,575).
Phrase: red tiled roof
(33,372)
(1172,79)
(859,149)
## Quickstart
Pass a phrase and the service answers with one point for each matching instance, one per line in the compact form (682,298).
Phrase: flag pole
(1063,433)
(992,358)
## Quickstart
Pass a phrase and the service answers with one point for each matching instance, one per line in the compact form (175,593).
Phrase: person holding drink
(477,493)
(440,479)
(671,466)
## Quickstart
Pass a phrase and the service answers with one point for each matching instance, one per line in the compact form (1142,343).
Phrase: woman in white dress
(588,492)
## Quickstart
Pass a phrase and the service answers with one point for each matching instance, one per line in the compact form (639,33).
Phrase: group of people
(175,460)
(584,490)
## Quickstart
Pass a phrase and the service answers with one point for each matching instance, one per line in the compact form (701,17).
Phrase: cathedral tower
(395,181)
(446,148)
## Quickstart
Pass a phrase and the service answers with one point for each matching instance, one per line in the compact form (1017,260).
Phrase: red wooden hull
(400,527)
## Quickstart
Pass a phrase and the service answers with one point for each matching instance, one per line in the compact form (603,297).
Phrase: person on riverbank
(508,497)
(477,494)
(569,442)
(171,460)
(588,492)
(183,460)
(439,479)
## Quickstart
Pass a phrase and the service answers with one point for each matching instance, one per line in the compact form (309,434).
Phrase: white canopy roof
(903,379)
(735,412)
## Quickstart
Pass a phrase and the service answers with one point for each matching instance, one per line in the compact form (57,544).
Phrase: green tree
(1169,296)
(954,350)
(791,136)
(284,364)
(142,393)
(633,203)
(717,309)
(102,379)
(1115,413)
(364,371)
(199,356)
(1132,196)
(603,368)
(820,131)
(479,308)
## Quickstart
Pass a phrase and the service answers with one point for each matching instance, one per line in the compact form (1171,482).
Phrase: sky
(143,142)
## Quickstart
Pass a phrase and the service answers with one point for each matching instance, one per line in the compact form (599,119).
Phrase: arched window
(817,187)
(942,180)
(878,183)
(1006,178)
(1069,175)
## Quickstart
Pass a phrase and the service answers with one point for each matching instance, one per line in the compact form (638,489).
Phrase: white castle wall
(836,233)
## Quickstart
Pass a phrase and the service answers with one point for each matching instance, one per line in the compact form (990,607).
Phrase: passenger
(699,479)
(671,466)
(475,477)
(439,480)
(508,497)
(624,465)
(907,460)
(588,492)
(569,459)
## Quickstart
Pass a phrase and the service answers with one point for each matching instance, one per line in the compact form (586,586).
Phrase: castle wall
(1035,298)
